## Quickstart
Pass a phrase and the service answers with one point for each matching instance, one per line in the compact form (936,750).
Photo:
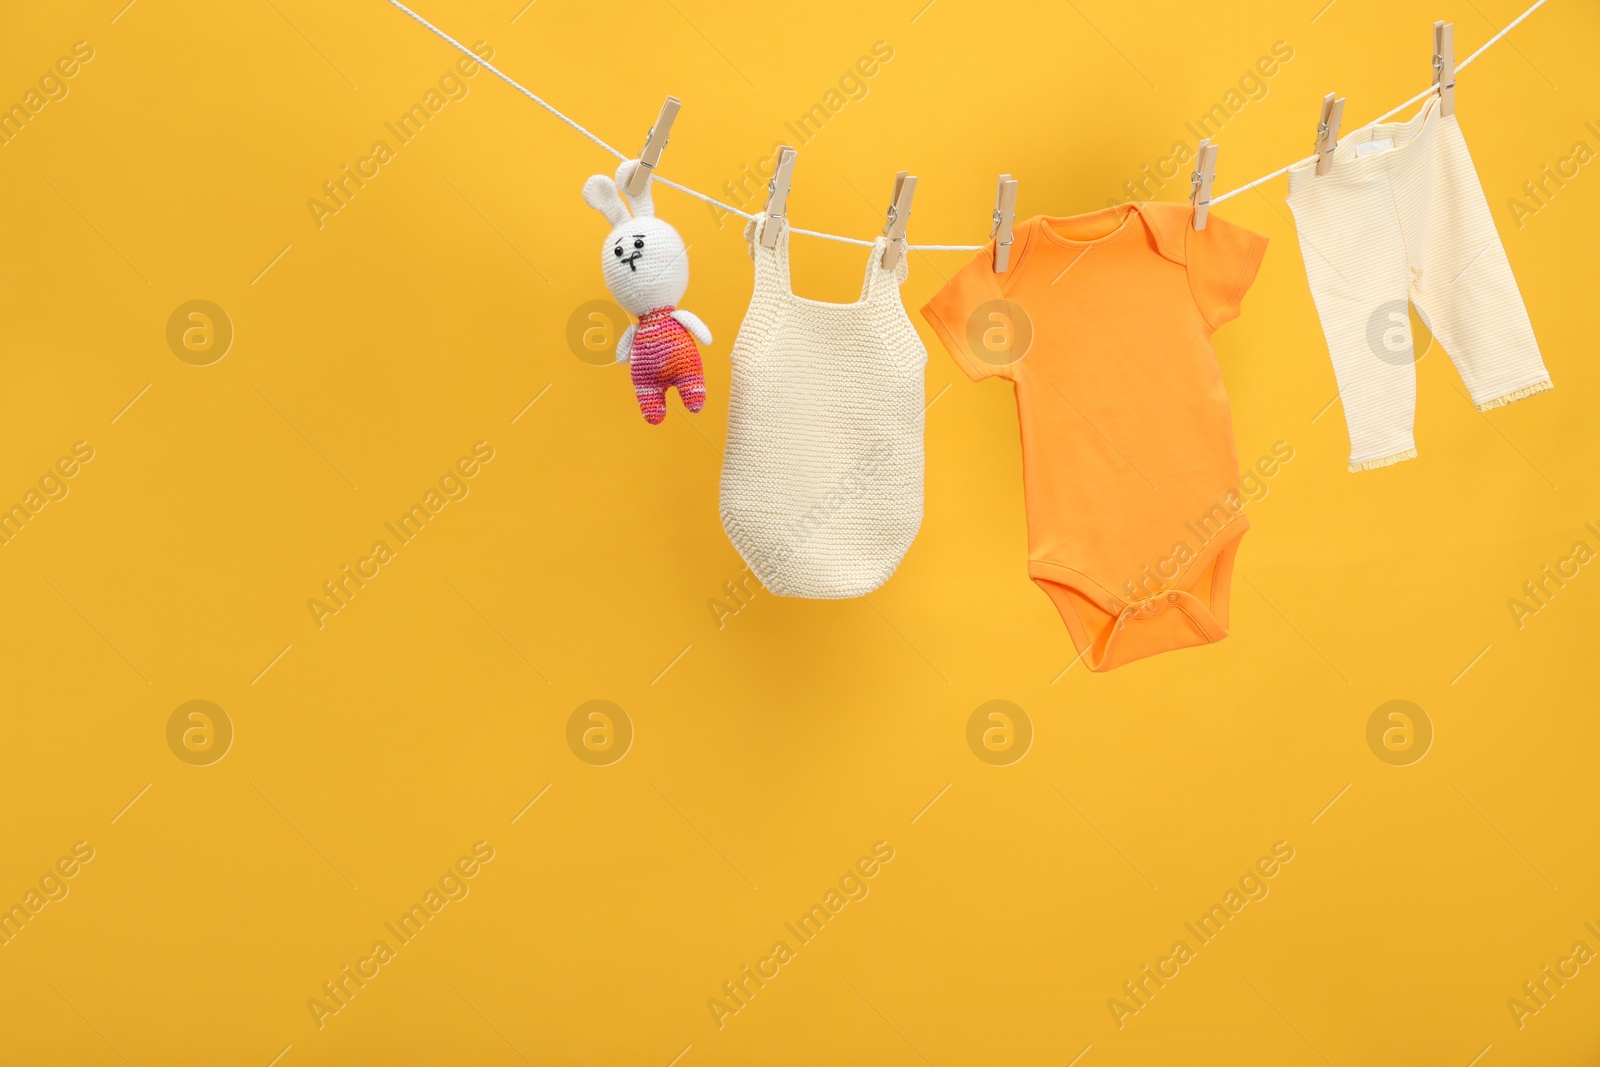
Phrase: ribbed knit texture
(665,356)
(822,474)
(1409,222)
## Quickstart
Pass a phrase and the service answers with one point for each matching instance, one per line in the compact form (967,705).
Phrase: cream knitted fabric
(1400,217)
(822,475)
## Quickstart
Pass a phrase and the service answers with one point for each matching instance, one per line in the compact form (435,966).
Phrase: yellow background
(369,354)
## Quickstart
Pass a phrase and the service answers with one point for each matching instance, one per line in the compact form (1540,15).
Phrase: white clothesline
(730,209)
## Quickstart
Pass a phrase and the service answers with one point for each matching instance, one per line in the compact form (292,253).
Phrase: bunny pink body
(665,355)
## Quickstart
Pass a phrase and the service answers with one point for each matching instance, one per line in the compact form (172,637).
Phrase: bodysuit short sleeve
(958,315)
(1223,259)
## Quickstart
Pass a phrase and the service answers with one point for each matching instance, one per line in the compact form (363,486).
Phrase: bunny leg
(648,388)
(682,371)
(653,404)
(691,386)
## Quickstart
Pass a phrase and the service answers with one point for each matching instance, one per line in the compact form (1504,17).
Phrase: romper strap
(877,287)
(772,264)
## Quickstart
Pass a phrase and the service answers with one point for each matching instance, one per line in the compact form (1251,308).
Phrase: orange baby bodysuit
(1103,326)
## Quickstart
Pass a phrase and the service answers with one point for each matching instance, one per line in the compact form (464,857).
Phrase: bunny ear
(643,204)
(600,193)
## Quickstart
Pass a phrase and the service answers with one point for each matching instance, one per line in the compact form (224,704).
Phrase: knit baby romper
(822,475)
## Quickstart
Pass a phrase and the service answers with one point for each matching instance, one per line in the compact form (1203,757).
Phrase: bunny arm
(625,346)
(691,322)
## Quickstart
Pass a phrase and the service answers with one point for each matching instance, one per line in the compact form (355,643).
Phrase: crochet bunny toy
(646,268)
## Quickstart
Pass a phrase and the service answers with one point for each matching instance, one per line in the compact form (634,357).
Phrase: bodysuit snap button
(1172,598)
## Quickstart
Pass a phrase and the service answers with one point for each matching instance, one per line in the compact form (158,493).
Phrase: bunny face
(645,265)
(644,262)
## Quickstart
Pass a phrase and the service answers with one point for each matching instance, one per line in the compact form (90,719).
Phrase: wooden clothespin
(777,196)
(1005,217)
(1444,65)
(650,155)
(905,185)
(1328,131)
(1205,171)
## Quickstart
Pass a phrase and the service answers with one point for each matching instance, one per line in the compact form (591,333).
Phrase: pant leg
(1356,264)
(1464,287)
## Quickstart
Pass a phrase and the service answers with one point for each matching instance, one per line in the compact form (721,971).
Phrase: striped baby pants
(1401,217)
